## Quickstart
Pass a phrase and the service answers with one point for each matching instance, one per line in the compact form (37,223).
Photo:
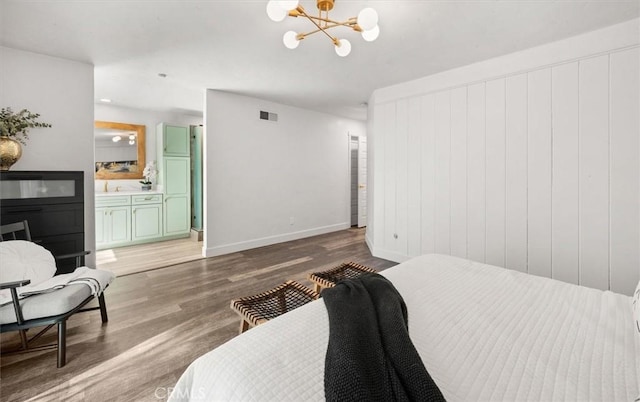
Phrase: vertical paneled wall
(536,171)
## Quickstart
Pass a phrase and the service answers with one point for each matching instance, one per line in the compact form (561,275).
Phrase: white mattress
(483,332)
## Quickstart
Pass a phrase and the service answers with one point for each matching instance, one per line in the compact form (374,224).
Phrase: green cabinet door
(146,221)
(101,227)
(177,176)
(176,140)
(177,201)
(120,224)
(176,216)
(113,226)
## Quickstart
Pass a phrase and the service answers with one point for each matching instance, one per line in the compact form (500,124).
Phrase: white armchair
(30,295)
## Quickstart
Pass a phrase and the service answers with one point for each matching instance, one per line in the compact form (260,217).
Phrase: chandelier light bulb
(116,138)
(343,48)
(371,34)
(287,5)
(131,142)
(367,18)
(290,40)
(275,11)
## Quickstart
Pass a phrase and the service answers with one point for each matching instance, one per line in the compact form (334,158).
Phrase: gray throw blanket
(370,356)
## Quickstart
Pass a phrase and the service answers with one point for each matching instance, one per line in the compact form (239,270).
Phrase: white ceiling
(233,46)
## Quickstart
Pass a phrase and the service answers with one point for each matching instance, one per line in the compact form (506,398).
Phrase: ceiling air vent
(268,116)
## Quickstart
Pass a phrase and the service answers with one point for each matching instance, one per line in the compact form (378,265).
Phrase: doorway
(358,180)
(133,255)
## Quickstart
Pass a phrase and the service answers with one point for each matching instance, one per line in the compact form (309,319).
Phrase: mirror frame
(140,130)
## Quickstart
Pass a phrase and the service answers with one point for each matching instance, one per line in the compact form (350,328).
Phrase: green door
(176,215)
(176,140)
(177,201)
(101,226)
(196,177)
(147,221)
(120,224)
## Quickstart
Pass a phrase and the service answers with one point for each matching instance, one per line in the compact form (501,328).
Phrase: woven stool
(255,310)
(328,279)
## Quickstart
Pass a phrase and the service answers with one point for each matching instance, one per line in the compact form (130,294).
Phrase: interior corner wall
(529,161)
(272,181)
(61,91)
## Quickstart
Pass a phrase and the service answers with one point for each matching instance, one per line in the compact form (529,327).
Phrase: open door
(362,181)
(196,179)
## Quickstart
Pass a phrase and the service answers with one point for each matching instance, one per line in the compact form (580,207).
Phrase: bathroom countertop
(116,193)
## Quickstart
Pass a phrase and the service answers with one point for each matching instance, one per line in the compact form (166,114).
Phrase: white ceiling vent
(268,116)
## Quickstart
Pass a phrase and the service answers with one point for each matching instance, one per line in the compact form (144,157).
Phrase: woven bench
(328,279)
(258,309)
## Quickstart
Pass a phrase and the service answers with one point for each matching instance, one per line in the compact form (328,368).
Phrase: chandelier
(366,23)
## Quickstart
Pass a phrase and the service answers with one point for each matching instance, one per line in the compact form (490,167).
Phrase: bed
(484,334)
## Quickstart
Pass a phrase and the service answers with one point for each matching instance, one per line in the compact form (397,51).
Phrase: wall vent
(268,116)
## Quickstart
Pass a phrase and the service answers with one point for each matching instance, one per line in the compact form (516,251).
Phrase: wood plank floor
(144,257)
(161,320)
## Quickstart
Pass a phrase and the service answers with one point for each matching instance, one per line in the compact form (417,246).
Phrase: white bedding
(483,332)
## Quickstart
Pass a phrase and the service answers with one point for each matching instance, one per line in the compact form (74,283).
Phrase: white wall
(260,174)
(528,161)
(62,92)
(147,118)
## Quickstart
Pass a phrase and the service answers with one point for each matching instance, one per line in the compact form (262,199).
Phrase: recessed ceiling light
(162,75)
(105,100)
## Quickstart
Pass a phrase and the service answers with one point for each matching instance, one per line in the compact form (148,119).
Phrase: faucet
(106,186)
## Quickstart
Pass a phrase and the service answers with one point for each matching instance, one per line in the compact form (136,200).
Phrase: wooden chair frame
(250,316)
(320,281)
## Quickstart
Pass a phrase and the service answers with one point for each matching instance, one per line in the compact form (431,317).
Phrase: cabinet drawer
(146,199)
(113,201)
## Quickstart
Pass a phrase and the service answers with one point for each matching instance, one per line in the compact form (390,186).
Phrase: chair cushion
(47,304)
(24,260)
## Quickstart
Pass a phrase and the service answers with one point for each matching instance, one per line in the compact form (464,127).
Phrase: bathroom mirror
(119,150)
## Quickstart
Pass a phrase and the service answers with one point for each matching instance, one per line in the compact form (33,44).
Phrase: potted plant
(14,129)
(149,174)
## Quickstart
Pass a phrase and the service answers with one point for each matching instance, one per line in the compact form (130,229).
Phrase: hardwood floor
(161,320)
(144,257)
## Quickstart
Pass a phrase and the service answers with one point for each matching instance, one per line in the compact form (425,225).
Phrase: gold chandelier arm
(313,20)
(349,24)
(346,24)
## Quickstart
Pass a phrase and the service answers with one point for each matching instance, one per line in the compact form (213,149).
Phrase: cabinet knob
(134,211)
